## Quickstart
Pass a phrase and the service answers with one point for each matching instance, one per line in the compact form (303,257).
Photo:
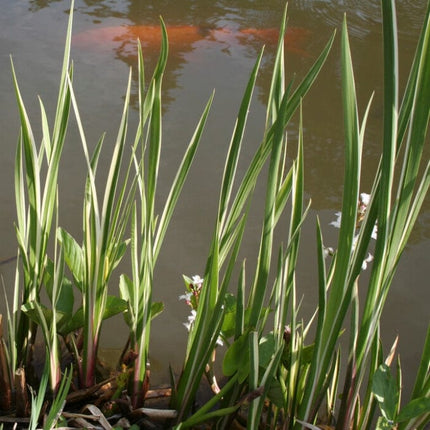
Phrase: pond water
(216,48)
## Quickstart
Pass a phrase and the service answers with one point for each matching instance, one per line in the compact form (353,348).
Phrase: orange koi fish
(182,37)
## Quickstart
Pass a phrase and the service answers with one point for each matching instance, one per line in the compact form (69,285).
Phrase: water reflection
(182,38)
(194,31)
(361,14)
(36,5)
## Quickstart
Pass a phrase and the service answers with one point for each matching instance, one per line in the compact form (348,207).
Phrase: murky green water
(34,31)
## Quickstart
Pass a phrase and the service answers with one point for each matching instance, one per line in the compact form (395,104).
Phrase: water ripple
(362,15)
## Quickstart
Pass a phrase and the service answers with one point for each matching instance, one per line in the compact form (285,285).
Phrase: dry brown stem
(85,393)
(21,394)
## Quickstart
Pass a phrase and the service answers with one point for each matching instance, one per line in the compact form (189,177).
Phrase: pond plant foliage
(277,370)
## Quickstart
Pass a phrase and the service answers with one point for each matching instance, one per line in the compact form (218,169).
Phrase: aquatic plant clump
(278,371)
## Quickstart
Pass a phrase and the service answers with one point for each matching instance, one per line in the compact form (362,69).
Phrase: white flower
(186,296)
(191,318)
(328,251)
(365,199)
(219,341)
(366,261)
(338,220)
(197,280)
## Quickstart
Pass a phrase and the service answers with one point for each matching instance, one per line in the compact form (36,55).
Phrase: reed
(148,231)
(36,175)
(229,228)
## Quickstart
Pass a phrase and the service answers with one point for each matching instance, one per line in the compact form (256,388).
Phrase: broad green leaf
(276,393)
(229,323)
(385,390)
(267,347)
(126,288)
(75,322)
(114,306)
(73,256)
(236,358)
(31,309)
(156,309)
(42,316)
(307,354)
(65,300)
(413,409)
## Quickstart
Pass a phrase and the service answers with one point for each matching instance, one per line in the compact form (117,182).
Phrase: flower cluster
(193,288)
(363,203)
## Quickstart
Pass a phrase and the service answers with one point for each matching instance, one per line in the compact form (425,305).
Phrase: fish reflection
(183,37)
